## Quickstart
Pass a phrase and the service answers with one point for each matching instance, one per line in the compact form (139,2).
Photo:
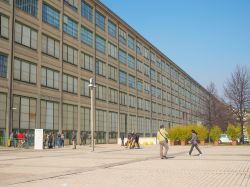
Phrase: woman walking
(194,143)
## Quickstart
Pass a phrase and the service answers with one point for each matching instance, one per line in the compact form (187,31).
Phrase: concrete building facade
(49,49)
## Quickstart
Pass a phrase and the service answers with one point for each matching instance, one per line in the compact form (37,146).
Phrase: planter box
(234,142)
(172,142)
(216,142)
(202,142)
(183,142)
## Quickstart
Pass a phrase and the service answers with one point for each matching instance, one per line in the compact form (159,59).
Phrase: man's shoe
(200,154)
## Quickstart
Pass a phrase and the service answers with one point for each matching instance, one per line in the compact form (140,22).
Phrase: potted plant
(215,134)
(234,133)
(172,135)
(183,134)
(248,132)
(202,133)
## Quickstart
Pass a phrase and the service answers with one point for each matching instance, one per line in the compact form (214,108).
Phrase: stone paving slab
(112,165)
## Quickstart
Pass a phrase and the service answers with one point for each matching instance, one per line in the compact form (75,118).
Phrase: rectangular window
(153,74)
(122,56)
(122,77)
(72,4)
(112,73)
(112,29)
(140,66)
(87,11)
(4,26)
(123,99)
(101,92)
(70,26)
(131,42)
(70,117)
(122,36)
(86,36)
(3,110)
(50,78)
(131,81)
(100,67)
(146,70)
(131,61)
(100,20)
(100,44)
(132,101)
(28,6)
(51,16)
(113,95)
(112,50)
(3,65)
(140,103)
(87,62)
(139,48)
(70,83)
(24,117)
(50,46)
(85,119)
(140,85)
(70,54)
(25,35)
(85,91)
(146,53)
(49,115)
(100,120)
(146,87)
(147,105)
(24,71)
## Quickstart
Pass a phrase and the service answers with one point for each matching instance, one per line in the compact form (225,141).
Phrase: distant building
(46,61)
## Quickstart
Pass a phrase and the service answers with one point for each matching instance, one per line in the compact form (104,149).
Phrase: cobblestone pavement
(112,165)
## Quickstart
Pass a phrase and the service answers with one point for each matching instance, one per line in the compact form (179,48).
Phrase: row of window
(26,71)
(52,16)
(25,116)
(28,37)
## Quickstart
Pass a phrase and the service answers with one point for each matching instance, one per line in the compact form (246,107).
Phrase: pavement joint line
(89,169)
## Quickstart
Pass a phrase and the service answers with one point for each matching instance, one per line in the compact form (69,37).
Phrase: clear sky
(206,38)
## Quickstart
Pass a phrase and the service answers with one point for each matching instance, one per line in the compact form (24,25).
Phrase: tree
(217,111)
(237,91)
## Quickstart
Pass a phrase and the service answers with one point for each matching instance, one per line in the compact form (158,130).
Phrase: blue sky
(206,38)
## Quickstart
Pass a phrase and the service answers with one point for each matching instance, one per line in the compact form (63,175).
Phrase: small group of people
(162,137)
(132,141)
(20,139)
(52,140)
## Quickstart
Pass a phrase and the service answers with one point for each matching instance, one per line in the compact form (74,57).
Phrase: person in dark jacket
(194,143)
(73,139)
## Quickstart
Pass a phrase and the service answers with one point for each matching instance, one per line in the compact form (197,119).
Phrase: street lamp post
(92,94)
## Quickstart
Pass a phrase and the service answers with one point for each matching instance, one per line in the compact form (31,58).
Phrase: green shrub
(202,132)
(233,132)
(215,133)
(183,133)
(172,134)
(248,131)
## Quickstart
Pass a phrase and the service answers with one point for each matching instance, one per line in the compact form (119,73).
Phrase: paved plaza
(112,165)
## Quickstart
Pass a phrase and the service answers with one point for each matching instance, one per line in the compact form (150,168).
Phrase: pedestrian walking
(194,143)
(122,140)
(73,139)
(82,138)
(62,139)
(163,141)
(15,139)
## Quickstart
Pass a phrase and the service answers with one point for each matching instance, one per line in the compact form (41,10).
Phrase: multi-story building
(50,48)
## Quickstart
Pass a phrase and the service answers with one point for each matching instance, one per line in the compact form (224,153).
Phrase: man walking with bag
(163,141)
